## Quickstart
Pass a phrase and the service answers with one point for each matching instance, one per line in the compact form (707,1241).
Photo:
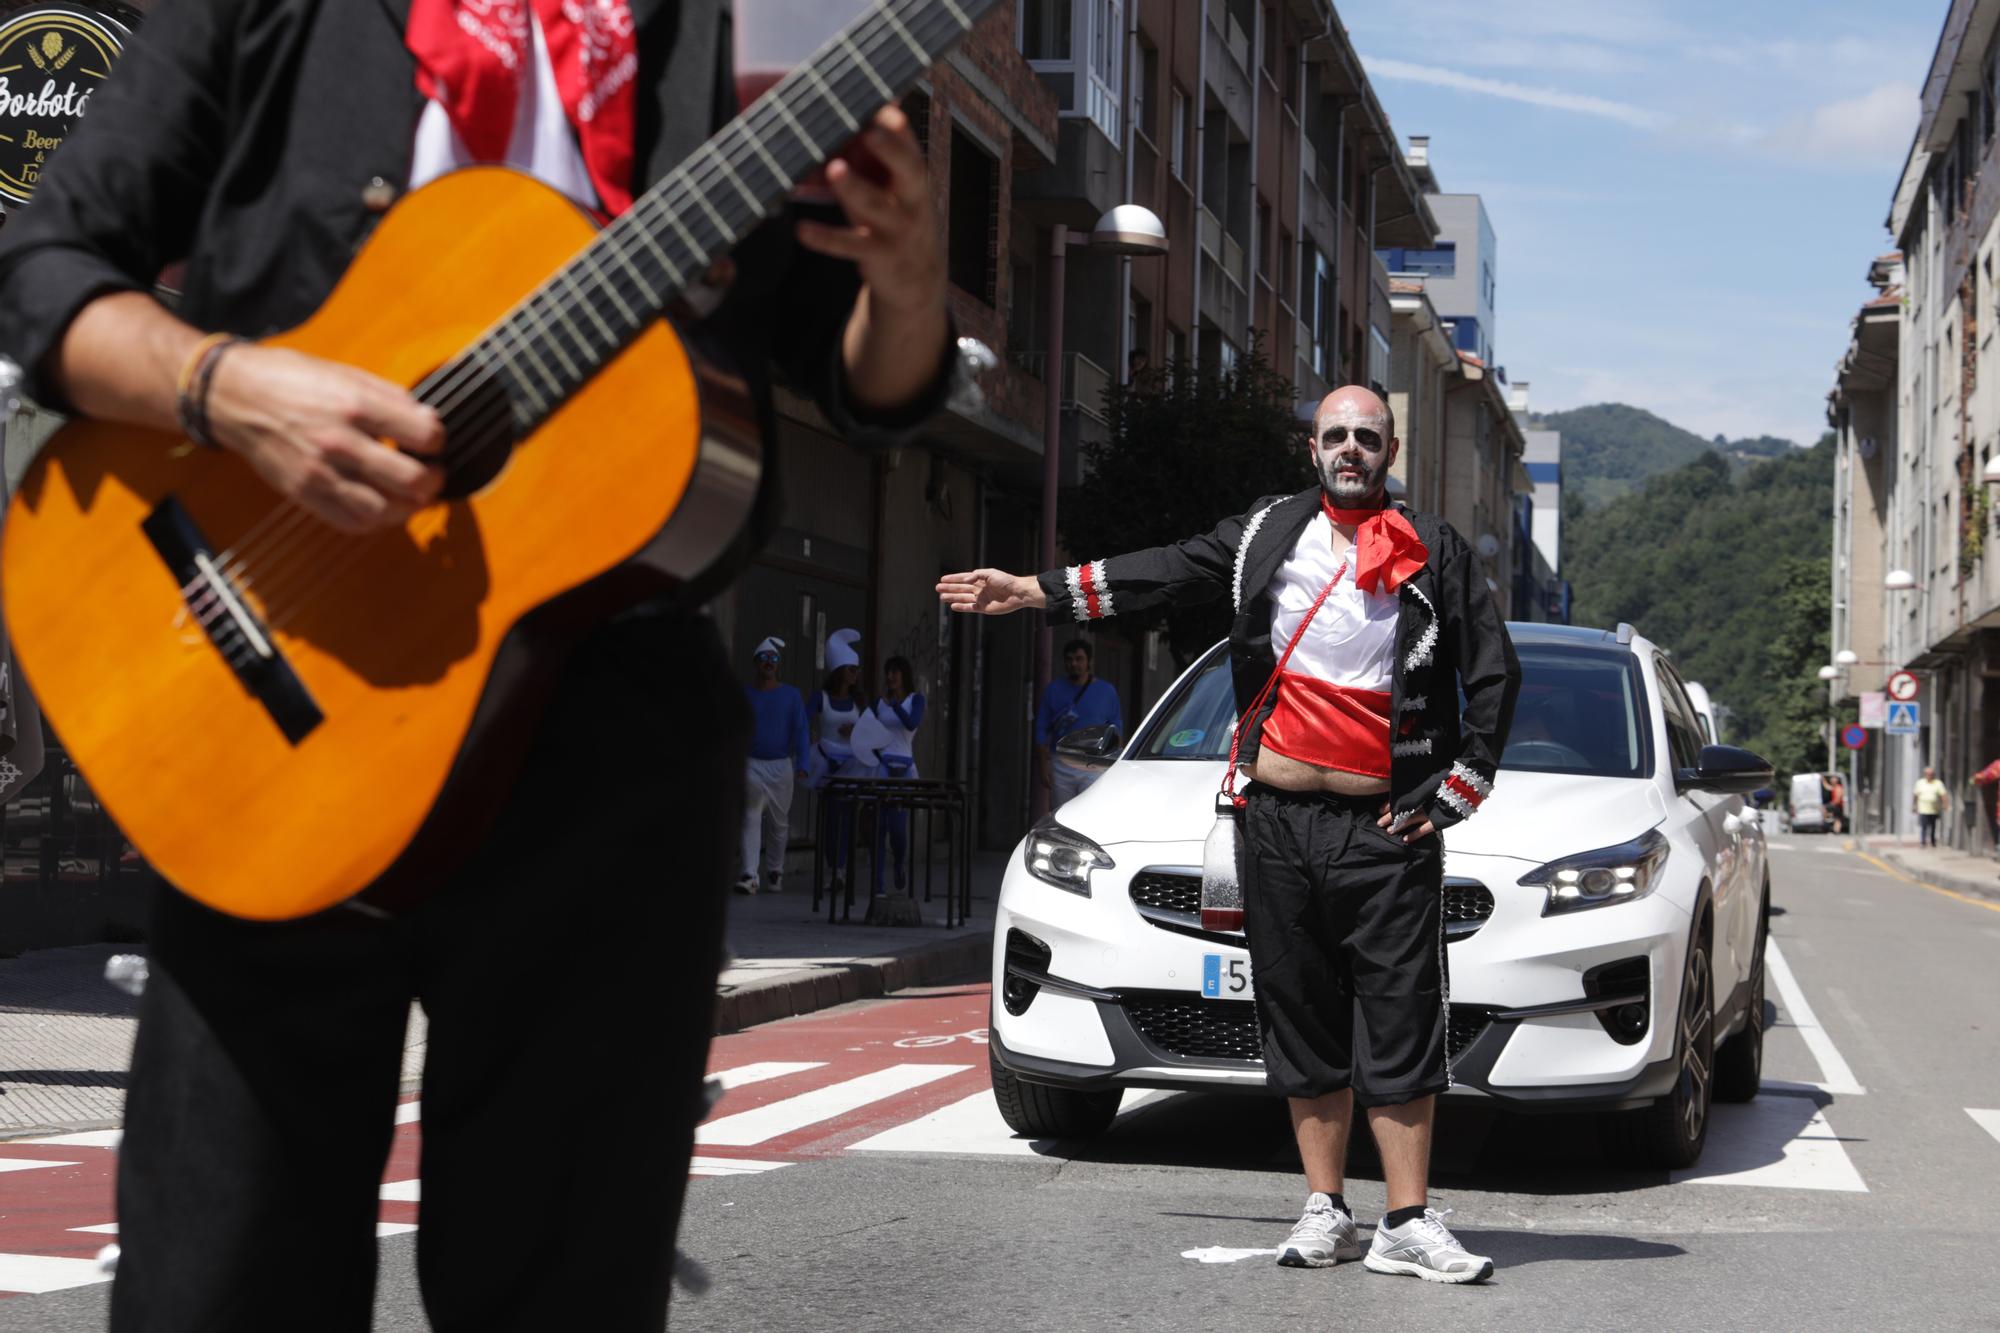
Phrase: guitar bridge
(233,628)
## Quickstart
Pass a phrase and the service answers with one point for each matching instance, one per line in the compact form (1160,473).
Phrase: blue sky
(1686,195)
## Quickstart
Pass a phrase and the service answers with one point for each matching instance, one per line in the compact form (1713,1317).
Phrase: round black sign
(53,59)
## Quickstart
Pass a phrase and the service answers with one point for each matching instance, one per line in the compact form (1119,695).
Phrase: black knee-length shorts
(1346,947)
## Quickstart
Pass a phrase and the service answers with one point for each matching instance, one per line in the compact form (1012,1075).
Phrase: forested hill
(1609,448)
(1726,567)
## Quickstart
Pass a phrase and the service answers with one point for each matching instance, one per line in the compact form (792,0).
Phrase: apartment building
(1916,414)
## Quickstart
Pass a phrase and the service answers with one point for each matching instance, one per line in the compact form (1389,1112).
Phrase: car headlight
(1062,857)
(1609,875)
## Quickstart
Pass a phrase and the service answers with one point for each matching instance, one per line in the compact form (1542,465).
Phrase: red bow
(1387,550)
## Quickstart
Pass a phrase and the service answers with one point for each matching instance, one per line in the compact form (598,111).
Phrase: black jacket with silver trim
(1448,638)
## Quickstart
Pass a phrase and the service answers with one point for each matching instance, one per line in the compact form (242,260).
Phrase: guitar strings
(516,345)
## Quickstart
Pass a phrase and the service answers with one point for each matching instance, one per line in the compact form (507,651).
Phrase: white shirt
(1352,641)
(543,143)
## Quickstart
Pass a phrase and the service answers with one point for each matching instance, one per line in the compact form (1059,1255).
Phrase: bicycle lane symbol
(976,1036)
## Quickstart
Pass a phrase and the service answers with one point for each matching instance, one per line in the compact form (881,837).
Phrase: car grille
(1467,903)
(1227,1029)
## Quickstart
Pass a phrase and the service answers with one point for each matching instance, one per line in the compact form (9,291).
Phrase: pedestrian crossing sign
(1902,719)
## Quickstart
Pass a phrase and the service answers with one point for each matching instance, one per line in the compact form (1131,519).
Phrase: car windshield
(1196,722)
(1579,712)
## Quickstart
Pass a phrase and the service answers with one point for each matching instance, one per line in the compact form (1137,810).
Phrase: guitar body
(422,649)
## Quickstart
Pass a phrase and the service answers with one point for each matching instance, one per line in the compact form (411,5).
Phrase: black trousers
(568,975)
(1347,948)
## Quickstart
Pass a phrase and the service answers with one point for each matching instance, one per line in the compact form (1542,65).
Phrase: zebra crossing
(902,1076)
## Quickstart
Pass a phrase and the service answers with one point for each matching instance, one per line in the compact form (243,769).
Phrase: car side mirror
(1091,747)
(1725,768)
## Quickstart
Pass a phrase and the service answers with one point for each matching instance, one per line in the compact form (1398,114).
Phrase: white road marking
(764,1123)
(1220,1254)
(27,1164)
(102,1229)
(1777,1143)
(87,1138)
(393,1229)
(1835,1076)
(403,1191)
(1986,1120)
(731,1166)
(973,1125)
(408,1113)
(742,1074)
(1828,851)
(33,1274)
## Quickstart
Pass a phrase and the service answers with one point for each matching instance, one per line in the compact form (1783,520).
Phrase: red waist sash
(1330,726)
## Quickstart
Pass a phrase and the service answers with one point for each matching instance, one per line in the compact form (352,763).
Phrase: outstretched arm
(1199,569)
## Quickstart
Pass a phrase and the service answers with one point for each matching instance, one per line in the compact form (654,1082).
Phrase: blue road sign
(1854,737)
(1903,719)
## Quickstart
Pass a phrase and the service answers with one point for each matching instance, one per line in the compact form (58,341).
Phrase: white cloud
(1581,103)
(1871,130)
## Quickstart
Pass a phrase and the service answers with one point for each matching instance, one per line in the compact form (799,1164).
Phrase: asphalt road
(854,1180)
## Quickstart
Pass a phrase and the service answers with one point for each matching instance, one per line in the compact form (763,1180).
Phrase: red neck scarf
(472,55)
(1387,550)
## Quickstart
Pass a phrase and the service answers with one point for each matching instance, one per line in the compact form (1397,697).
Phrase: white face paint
(1352,450)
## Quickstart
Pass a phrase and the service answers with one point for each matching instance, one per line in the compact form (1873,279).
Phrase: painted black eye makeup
(1368,439)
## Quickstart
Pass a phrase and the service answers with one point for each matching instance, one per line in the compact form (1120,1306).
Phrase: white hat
(840,649)
(770,645)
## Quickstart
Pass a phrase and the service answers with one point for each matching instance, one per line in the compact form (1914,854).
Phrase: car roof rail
(1625,632)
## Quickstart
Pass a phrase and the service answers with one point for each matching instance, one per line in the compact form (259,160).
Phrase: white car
(1606,912)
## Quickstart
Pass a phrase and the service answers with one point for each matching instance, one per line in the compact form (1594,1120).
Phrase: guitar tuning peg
(974,359)
(127,971)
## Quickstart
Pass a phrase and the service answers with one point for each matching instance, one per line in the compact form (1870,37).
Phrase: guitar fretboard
(554,341)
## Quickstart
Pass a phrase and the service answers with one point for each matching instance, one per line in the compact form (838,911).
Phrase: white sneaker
(1424,1247)
(1324,1236)
(746,885)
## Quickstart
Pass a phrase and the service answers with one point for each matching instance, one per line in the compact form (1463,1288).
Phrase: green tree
(1186,448)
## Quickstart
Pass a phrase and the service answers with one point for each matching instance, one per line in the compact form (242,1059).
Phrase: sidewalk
(1946,867)
(66,1033)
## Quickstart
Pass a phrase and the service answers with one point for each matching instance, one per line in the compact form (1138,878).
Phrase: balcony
(1084,382)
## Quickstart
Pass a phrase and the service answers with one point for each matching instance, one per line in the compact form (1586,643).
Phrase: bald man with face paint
(1359,625)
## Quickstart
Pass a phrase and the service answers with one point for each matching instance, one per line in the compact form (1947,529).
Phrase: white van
(1808,804)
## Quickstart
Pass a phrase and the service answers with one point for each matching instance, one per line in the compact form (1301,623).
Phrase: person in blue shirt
(778,743)
(1081,700)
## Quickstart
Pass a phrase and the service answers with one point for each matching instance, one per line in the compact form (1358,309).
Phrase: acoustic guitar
(283,718)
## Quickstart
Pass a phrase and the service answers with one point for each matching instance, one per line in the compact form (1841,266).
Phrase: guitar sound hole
(479,428)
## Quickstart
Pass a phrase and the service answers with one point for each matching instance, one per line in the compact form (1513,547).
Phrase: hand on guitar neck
(311,428)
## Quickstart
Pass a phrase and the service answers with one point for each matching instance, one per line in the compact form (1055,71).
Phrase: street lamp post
(1125,230)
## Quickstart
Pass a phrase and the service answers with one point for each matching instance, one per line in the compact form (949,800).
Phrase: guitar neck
(553,342)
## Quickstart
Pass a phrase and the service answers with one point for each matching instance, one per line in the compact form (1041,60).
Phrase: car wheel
(1043,1112)
(1670,1133)
(1739,1064)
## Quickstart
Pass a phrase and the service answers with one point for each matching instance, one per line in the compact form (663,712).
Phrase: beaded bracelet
(191,395)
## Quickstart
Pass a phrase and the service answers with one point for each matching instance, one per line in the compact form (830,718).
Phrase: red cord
(1236,741)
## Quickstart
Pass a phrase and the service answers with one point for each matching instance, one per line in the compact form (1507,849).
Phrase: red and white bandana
(473,54)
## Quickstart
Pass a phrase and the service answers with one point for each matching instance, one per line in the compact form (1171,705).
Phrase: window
(1045,29)
(1076,48)
(1176,350)
(1286,291)
(1177,135)
(1683,732)
(975,206)
(1321,321)
(1579,711)
(1265,268)
(1145,107)
(1291,77)
(1378,360)
(1439,262)
(1139,336)
(1270,39)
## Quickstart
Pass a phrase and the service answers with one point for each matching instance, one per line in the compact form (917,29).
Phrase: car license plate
(1225,977)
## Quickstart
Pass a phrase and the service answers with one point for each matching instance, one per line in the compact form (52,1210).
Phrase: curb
(1988,889)
(792,994)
